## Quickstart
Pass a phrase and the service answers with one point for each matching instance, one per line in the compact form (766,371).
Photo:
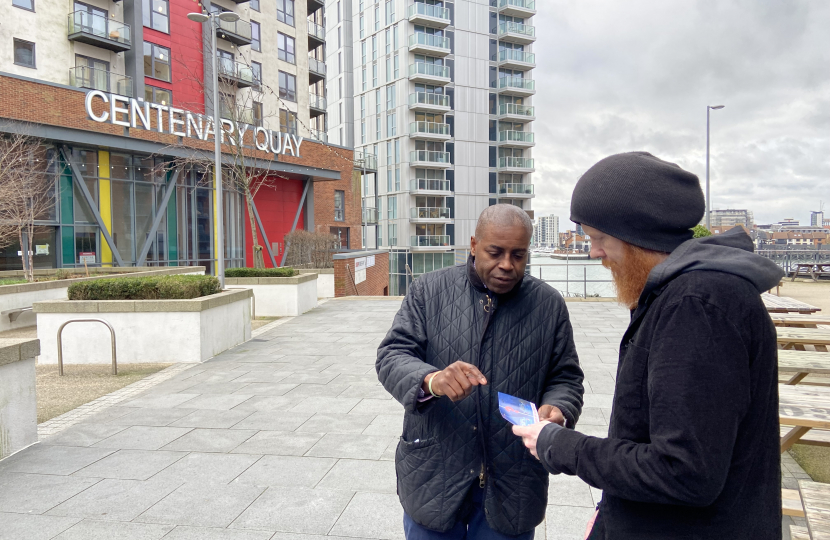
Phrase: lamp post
(708,108)
(227,16)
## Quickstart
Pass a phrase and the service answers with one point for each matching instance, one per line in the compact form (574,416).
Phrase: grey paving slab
(143,438)
(336,423)
(211,440)
(386,517)
(218,402)
(161,401)
(295,510)
(204,533)
(567,522)
(266,403)
(281,443)
(267,388)
(361,475)
(315,391)
(36,493)
(114,500)
(151,417)
(196,506)
(344,445)
(287,471)
(292,536)
(83,434)
(32,526)
(104,530)
(217,387)
(569,491)
(385,425)
(211,419)
(207,468)
(598,400)
(131,464)
(377,406)
(330,405)
(51,459)
(367,392)
(273,420)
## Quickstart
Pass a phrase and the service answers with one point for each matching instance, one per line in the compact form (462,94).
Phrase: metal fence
(571,278)
(787,259)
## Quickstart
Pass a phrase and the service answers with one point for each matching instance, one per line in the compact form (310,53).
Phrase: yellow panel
(105,203)
(215,224)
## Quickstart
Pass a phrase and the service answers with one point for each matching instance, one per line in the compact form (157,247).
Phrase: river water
(573,278)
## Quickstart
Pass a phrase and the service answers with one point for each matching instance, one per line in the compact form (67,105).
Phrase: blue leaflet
(517,411)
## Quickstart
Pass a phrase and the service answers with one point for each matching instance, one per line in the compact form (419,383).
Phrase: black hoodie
(693,443)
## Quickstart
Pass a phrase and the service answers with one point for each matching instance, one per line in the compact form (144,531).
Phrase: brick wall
(377,277)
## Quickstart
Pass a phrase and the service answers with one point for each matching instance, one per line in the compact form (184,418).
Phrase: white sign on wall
(360,264)
(370,261)
(359,276)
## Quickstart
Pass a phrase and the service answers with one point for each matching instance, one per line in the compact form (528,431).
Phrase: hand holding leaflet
(517,411)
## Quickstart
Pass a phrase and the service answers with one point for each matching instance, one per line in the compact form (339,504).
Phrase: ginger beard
(631,274)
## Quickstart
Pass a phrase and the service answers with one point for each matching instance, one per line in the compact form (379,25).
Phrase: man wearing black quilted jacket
(462,335)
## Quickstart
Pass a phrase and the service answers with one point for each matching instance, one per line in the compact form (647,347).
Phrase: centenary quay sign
(134,113)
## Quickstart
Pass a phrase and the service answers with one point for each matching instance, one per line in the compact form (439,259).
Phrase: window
(156,14)
(285,11)
(377,101)
(257,113)
(388,69)
(285,47)
(377,18)
(363,53)
(377,128)
(156,62)
(256,70)
(398,154)
(255,42)
(339,12)
(397,67)
(363,106)
(339,205)
(339,61)
(393,234)
(388,35)
(254,5)
(374,74)
(390,97)
(395,33)
(227,106)
(374,47)
(339,42)
(25,4)
(389,185)
(363,77)
(363,133)
(288,86)
(24,53)
(157,95)
(392,209)
(391,125)
(398,179)
(361,26)
(288,122)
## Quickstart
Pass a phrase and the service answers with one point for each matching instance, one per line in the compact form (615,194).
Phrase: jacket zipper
(489,310)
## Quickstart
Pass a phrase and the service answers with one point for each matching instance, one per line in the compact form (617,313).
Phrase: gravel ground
(262,321)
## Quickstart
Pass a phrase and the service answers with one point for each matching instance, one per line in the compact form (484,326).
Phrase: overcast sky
(614,76)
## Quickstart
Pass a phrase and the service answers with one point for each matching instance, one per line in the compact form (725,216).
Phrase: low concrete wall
(325,281)
(18,398)
(146,331)
(24,295)
(281,297)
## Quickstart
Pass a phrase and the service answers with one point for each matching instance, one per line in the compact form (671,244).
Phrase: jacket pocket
(416,463)
(631,378)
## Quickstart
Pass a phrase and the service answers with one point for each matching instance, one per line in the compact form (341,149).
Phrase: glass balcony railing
(430,99)
(429,40)
(512,55)
(363,160)
(515,110)
(429,156)
(431,70)
(429,184)
(316,30)
(237,28)
(319,135)
(84,22)
(99,79)
(432,240)
(427,10)
(516,136)
(237,71)
(516,83)
(317,66)
(515,163)
(318,102)
(515,28)
(525,5)
(515,189)
(430,213)
(429,128)
(370,215)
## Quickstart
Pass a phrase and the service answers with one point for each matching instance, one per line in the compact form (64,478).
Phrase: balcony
(319,135)
(316,70)
(516,33)
(316,35)
(314,5)
(516,86)
(428,15)
(365,161)
(429,186)
(516,139)
(429,215)
(429,241)
(236,73)
(99,31)
(516,60)
(430,131)
(429,102)
(422,43)
(98,79)
(516,164)
(317,104)
(370,216)
(517,191)
(430,159)
(517,8)
(516,113)
(237,32)
(421,72)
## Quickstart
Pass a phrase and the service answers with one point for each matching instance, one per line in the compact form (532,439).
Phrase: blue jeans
(476,527)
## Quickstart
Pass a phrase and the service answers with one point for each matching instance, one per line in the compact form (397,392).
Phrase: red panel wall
(277,205)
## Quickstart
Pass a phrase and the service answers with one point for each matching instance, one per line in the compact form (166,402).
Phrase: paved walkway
(287,437)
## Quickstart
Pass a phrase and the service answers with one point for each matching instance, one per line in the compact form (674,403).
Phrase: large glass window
(256,69)
(158,95)
(392,208)
(288,86)
(256,44)
(254,5)
(285,48)
(156,14)
(156,61)
(339,205)
(24,53)
(288,122)
(285,11)
(257,113)
(25,4)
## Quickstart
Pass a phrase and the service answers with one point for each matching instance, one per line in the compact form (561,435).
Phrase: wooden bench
(803,363)
(803,407)
(816,499)
(796,338)
(814,437)
(15,313)
(785,304)
(798,320)
(813,269)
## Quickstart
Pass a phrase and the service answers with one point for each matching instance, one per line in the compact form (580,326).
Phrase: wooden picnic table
(816,499)
(785,304)
(796,338)
(797,320)
(803,363)
(813,269)
(803,407)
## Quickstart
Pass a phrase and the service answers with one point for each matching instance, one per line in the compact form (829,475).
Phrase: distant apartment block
(547,231)
(730,218)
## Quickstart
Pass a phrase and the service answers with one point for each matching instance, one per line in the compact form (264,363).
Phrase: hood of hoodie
(730,252)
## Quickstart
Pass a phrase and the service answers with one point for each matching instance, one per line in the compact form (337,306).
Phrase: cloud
(637,75)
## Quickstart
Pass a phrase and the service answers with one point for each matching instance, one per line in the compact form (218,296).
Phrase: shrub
(307,249)
(145,288)
(700,231)
(60,273)
(285,271)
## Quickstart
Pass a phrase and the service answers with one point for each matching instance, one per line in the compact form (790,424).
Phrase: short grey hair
(503,215)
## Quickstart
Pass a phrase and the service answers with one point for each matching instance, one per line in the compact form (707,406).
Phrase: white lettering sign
(136,113)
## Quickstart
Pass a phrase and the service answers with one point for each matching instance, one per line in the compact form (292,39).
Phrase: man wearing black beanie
(693,443)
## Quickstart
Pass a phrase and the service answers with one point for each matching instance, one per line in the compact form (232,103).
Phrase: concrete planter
(280,296)
(18,399)
(325,281)
(146,331)
(13,297)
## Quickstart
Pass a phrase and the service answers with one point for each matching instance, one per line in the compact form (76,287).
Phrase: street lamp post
(708,108)
(227,16)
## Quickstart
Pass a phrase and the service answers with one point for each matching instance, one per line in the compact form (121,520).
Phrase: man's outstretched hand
(551,414)
(456,381)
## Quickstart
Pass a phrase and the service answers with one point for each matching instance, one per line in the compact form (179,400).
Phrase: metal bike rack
(60,348)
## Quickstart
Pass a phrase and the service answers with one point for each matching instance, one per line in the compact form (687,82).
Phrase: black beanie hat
(639,199)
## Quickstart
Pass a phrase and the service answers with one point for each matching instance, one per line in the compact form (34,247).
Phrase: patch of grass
(81,384)
(259,322)
(815,460)
(11,281)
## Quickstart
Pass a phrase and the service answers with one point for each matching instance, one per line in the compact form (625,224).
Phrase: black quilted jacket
(523,343)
